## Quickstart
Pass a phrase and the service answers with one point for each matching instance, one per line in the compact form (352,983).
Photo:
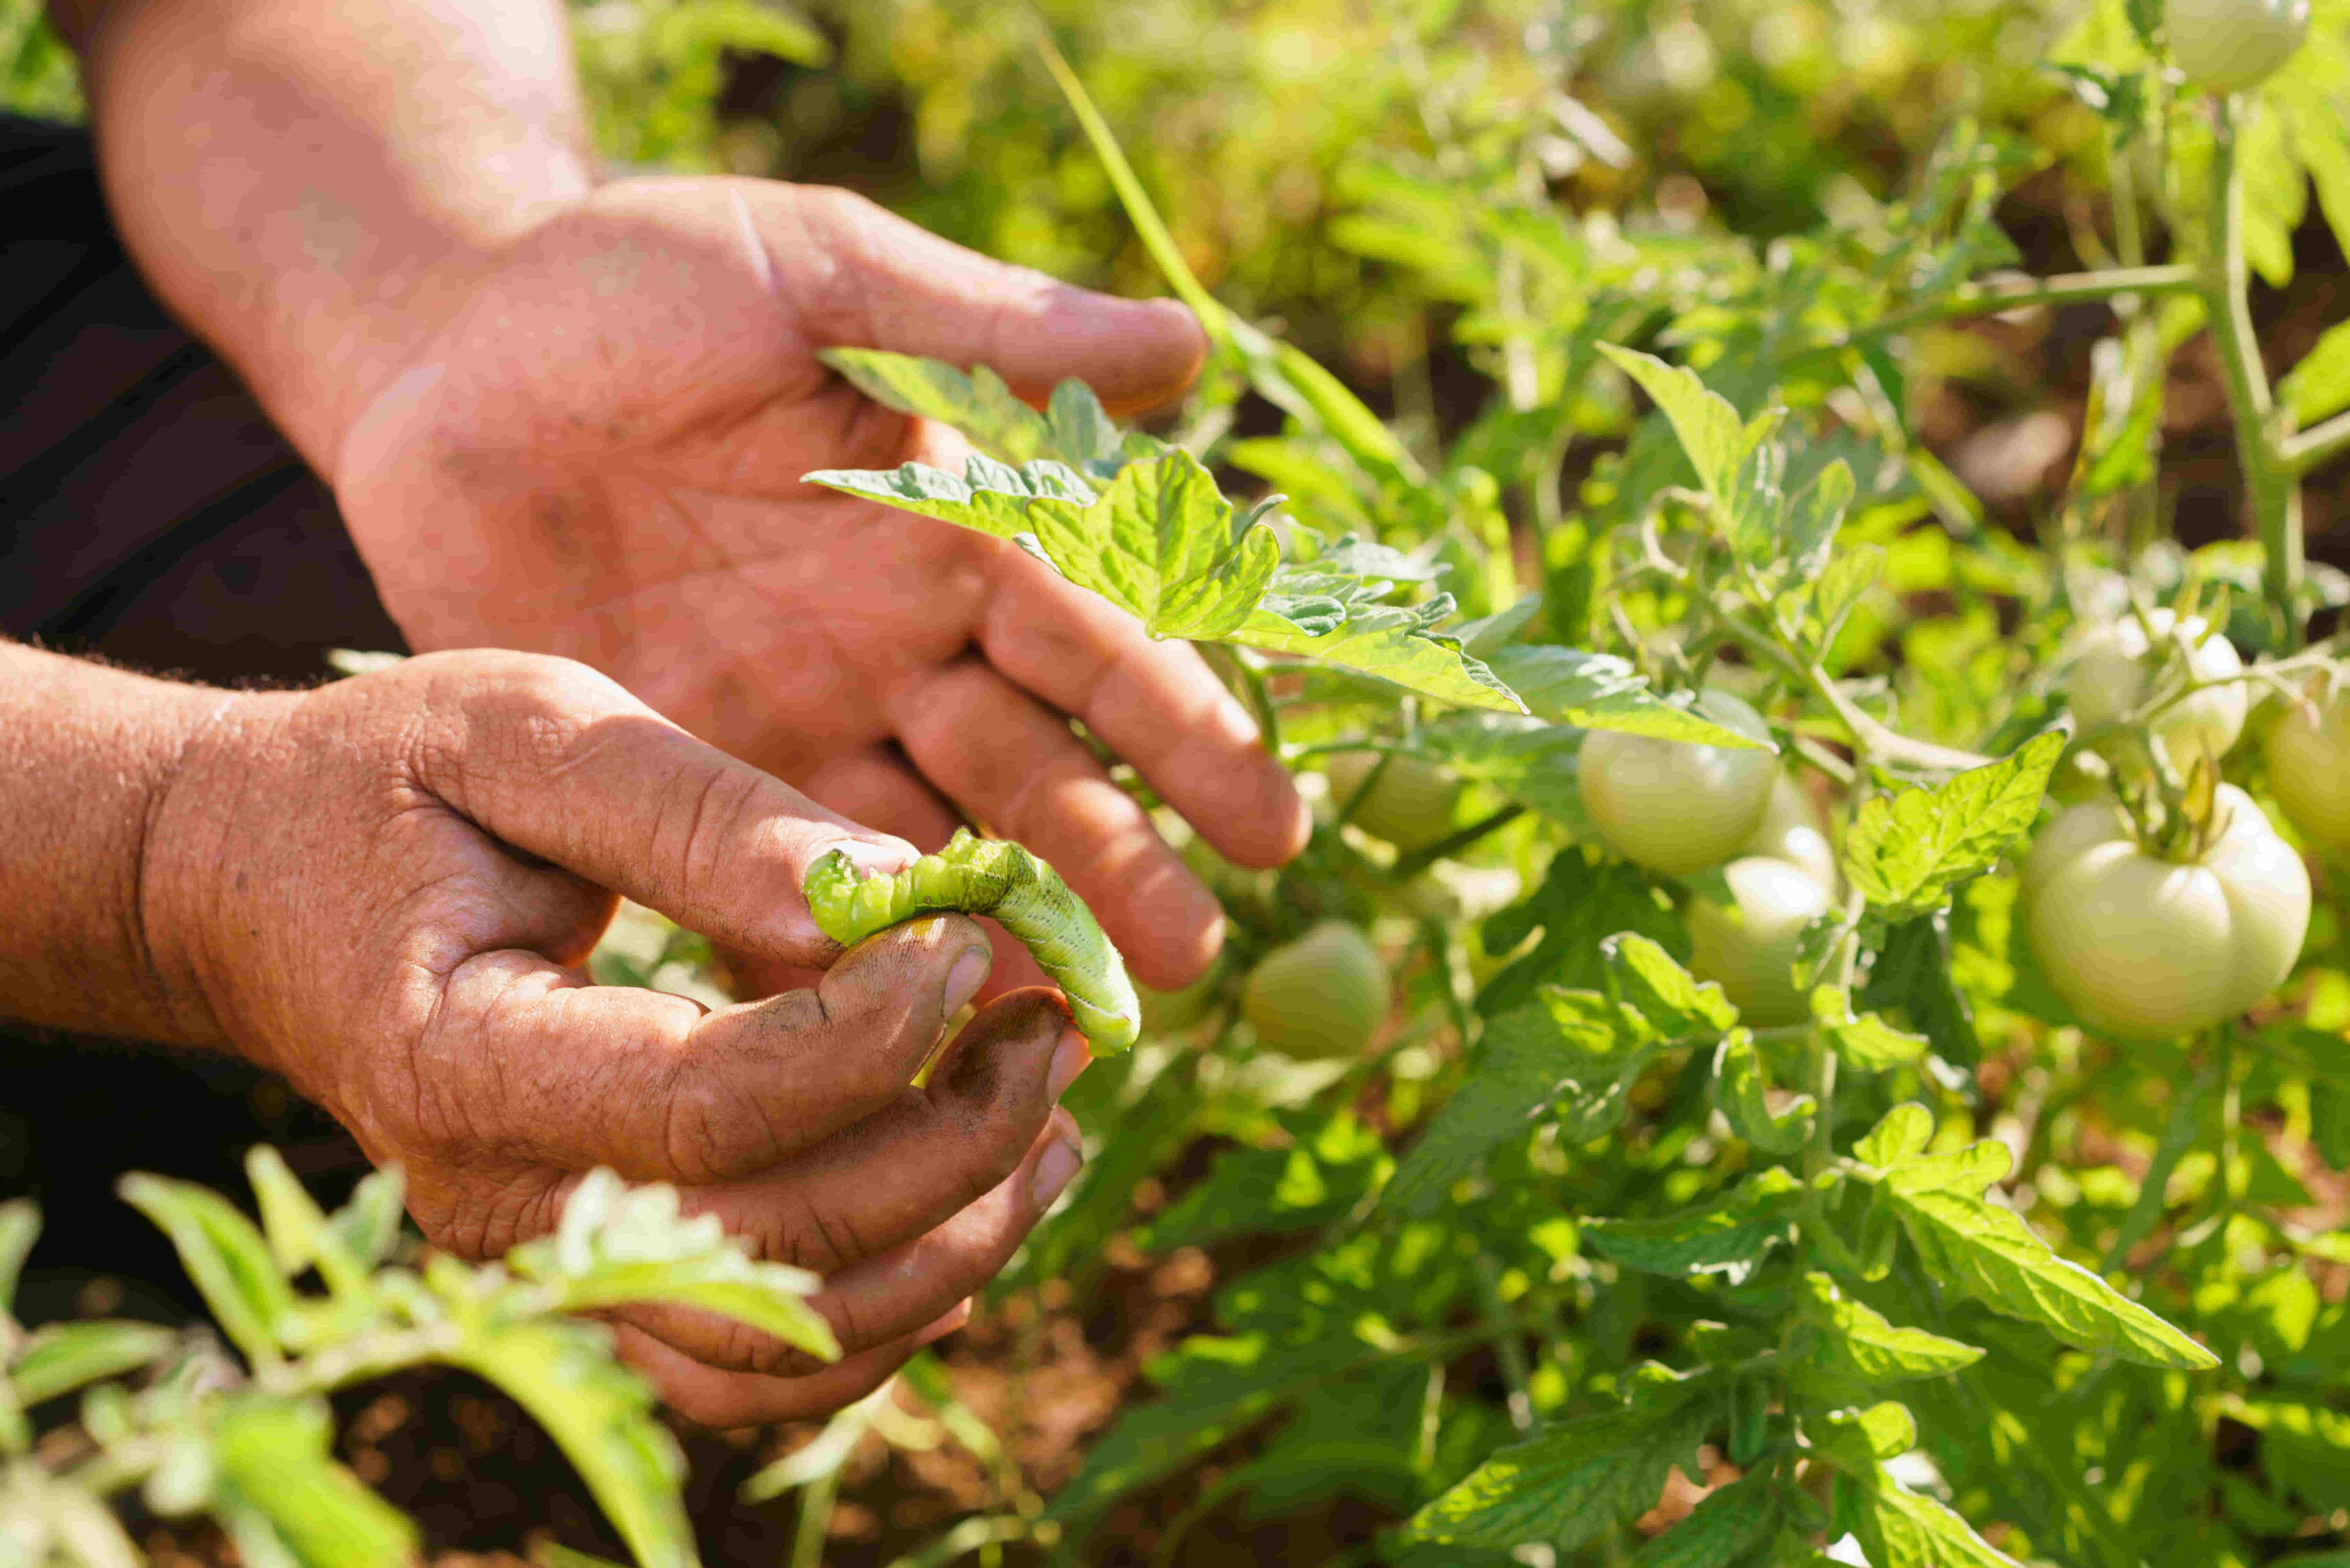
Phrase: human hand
(597,453)
(386,887)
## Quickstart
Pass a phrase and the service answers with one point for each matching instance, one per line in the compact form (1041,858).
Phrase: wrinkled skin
(419,864)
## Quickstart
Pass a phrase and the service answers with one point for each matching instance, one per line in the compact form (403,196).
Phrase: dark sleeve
(148,509)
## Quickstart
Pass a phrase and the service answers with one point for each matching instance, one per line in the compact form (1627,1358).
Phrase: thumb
(906,290)
(554,760)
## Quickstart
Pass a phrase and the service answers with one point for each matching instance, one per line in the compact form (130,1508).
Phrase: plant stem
(2268,477)
(1419,860)
(1991,299)
(1506,1349)
(816,1501)
(2317,445)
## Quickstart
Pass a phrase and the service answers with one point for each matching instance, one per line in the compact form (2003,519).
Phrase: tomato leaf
(1989,1253)
(1730,1237)
(1739,1092)
(1601,691)
(59,1358)
(1902,1134)
(224,1254)
(1575,1483)
(1733,1524)
(277,1474)
(1674,1003)
(1900,1529)
(1073,429)
(1852,1348)
(1577,906)
(1907,851)
(1575,1044)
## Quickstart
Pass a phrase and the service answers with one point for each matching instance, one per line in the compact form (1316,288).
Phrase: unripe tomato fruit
(2144,948)
(1320,996)
(1672,806)
(2113,670)
(2309,768)
(1749,948)
(2231,45)
(1410,805)
(1793,831)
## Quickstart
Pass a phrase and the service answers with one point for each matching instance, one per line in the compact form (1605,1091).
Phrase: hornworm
(990,877)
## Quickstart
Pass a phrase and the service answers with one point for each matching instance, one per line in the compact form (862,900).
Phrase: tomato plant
(1810,1000)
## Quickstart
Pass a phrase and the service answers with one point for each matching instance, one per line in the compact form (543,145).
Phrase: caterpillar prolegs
(1026,897)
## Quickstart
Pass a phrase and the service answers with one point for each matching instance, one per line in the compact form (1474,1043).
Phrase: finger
(875,1300)
(723,1400)
(896,286)
(1155,704)
(559,761)
(659,1089)
(1014,764)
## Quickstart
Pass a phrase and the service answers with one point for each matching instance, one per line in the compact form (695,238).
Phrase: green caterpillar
(990,877)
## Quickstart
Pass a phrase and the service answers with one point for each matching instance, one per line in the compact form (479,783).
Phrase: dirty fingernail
(1055,1168)
(963,982)
(1068,1061)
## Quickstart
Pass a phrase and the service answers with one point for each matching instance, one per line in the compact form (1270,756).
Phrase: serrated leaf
(1847,575)
(1814,517)
(1866,1041)
(618,1246)
(1074,432)
(1574,1049)
(1570,1485)
(988,497)
(274,1455)
(1531,762)
(1158,543)
(61,1357)
(1856,1347)
(1989,1253)
(1899,1528)
(1577,906)
(1905,1131)
(1912,973)
(1393,642)
(369,1225)
(1740,1094)
(1676,1004)
(601,1415)
(1709,428)
(1602,691)
(1858,1441)
(1731,1525)
(1729,1237)
(223,1253)
(1905,852)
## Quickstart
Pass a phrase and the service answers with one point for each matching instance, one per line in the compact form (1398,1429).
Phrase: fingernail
(963,982)
(1068,1061)
(874,859)
(1054,1167)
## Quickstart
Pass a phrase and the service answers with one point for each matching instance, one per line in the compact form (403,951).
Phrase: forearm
(87,755)
(312,183)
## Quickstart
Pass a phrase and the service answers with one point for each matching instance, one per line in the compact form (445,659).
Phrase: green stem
(2268,477)
(1419,860)
(2317,445)
(816,1501)
(1991,299)
(1507,1351)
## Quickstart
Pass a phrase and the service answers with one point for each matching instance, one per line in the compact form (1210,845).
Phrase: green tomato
(1749,948)
(1792,830)
(2144,948)
(2233,45)
(2112,671)
(1320,996)
(1674,807)
(2309,768)
(1410,805)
